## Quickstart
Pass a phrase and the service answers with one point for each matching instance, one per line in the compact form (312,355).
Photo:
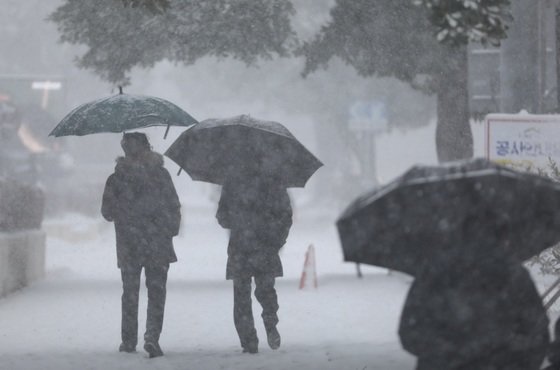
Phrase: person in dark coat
(259,215)
(141,200)
(475,308)
(554,349)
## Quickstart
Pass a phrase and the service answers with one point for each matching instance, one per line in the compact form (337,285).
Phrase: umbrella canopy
(455,208)
(121,113)
(216,150)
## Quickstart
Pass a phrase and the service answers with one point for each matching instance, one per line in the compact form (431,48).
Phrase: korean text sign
(523,139)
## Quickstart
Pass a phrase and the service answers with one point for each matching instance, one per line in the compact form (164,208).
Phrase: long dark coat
(487,316)
(259,215)
(141,200)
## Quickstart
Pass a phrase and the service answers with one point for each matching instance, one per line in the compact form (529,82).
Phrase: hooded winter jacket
(259,215)
(141,200)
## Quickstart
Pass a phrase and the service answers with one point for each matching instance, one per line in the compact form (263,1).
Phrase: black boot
(127,347)
(251,349)
(250,346)
(153,349)
(273,337)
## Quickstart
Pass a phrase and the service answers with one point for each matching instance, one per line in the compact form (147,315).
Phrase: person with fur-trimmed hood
(141,200)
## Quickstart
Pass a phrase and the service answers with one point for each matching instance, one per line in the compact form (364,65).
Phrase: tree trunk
(454,139)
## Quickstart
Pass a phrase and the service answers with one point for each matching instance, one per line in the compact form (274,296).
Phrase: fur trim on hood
(148,160)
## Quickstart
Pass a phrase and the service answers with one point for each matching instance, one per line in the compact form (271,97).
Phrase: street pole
(557,34)
(541,73)
(519,67)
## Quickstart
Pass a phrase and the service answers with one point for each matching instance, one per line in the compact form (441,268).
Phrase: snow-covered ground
(71,319)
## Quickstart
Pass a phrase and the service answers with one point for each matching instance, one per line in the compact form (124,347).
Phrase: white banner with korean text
(525,140)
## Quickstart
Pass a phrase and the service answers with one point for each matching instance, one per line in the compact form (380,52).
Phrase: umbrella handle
(179,172)
(551,301)
(166,131)
(550,288)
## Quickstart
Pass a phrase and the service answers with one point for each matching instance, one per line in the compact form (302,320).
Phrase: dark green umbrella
(217,150)
(120,113)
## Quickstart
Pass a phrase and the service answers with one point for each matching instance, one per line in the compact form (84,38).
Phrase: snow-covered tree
(155,6)
(396,38)
(378,38)
(123,34)
(461,21)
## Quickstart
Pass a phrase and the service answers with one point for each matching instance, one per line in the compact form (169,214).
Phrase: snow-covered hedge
(22,259)
(22,243)
(21,206)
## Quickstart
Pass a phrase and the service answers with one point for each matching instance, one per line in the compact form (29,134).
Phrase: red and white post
(309,273)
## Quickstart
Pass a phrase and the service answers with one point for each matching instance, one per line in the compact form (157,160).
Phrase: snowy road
(71,319)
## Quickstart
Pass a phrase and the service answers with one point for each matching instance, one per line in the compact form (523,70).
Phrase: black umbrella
(217,149)
(452,208)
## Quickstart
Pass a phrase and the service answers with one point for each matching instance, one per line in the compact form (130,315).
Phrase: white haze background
(71,319)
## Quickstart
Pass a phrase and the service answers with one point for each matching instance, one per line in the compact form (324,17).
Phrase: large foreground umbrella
(119,113)
(429,211)
(217,149)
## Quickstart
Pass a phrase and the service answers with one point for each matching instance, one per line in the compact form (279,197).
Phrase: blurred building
(28,107)
(522,72)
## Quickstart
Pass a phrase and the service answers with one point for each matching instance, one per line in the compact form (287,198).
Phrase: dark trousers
(242,307)
(156,279)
